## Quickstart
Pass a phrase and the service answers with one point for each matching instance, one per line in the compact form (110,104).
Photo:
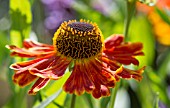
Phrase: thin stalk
(73,100)
(130,9)
(113,95)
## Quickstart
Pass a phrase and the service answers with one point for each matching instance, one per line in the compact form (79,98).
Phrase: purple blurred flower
(161,105)
(107,7)
(57,11)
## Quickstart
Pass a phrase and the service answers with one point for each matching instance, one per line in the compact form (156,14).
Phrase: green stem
(130,9)
(73,100)
(156,103)
(113,95)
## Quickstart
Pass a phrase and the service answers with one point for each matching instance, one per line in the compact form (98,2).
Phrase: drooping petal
(23,78)
(120,72)
(123,53)
(55,68)
(39,84)
(45,67)
(128,73)
(127,49)
(25,65)
(126,60)
(101,73)
(101,77)
(79,81)
(101,91)
(113,64)
(31,49)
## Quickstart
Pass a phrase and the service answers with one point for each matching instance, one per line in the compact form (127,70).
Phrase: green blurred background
(39,19)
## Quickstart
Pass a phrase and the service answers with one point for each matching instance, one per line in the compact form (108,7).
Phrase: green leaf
(49,99)
(89,100)
(164,65)
(143,91)
(80,102)
(140,31)
(85,100)
(156,103)
(56,85)
(4,58)
(21,19)
(157,84)
(104,102)
(163,15)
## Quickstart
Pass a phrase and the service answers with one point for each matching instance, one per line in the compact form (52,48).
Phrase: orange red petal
(79,81)
(54,68)
(31,49)
(113,40)
(123,53)
(39,84)
(128,73)
(95,76)
(23,78)
(101,91)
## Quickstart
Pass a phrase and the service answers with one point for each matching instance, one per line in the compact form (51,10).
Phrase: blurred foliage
(20,19)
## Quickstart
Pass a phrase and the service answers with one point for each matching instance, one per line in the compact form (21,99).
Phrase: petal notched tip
(39,84)
(14,66)
(10,46)
(23,78)
(102,91)
(128,73)
(79,81)
(139,76)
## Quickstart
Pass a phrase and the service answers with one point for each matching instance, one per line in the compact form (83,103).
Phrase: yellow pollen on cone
(78,39)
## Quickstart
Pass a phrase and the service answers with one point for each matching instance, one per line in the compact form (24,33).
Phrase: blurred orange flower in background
(161,28)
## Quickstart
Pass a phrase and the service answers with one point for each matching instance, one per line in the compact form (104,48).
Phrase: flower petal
(101,72)
(46,67)
(31,49)
(28,64)
(101,77)
(31,44)
(101,91)
(119,71)
(39,84)
(113,40)
(127,49)
(55,68)
(79,81)
(123,53)
(127,60)
(127,73)
(23,78)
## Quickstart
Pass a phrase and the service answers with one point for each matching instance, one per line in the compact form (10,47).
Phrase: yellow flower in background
(98,64)
(161,29)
